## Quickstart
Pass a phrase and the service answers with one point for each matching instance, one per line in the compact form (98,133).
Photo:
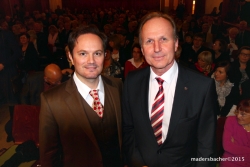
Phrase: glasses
(244,54)
(243,114)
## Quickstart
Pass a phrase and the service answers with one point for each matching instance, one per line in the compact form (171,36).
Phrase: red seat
(26,123)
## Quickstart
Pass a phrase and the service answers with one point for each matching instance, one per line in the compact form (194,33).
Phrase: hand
(229,46)
(232,139)
(67,71)
(208,68)
(1,66)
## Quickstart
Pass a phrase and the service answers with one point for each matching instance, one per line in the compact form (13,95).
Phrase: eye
(149,41)
(98,54)
(163,39)
(82,54)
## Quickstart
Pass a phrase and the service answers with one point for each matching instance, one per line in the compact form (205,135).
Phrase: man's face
(158,44)
(197,42)
(205,28)
(88,57)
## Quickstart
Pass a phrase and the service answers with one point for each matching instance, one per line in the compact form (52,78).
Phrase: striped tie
(157,112)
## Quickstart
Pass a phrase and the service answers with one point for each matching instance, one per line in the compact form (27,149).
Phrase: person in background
(241,66)
(228,92)
(220,51)
(169,112)
(136,62)
(190,54)
(10,53)
(204,64)
(110,66)
(39,82)
(29,61)
(236,137)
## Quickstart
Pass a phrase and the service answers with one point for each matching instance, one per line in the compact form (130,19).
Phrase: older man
(168,111)
(39,82)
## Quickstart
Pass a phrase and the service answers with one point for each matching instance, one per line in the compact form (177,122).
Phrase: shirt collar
(84,89)
(167,76)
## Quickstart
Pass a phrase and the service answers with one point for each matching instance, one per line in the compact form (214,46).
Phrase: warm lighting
(193,8)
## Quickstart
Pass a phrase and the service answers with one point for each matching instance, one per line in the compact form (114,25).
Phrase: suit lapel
(74,102)
(180,101)
(144,89)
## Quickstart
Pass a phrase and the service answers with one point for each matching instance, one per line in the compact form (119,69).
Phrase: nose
(90,59)
(157,46)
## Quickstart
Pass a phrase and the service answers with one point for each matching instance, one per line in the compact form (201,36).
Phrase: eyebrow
(87,51)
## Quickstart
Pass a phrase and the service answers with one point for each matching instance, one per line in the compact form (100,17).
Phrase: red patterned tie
(97,105)
(157,112)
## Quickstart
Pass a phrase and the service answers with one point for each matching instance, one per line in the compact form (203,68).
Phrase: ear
(142,51)
(176,44)
(71,58)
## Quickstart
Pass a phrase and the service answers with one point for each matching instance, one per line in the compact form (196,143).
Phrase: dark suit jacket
(32,89)
(10,52)
(243,40)
(245,86)
(29,61)
(65,129)
(191,130)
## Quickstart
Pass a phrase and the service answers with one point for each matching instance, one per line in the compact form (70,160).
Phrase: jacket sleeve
(132,155)
(206,128)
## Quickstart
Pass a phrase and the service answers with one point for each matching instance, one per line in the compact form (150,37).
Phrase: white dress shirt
(84,90)
(169,84)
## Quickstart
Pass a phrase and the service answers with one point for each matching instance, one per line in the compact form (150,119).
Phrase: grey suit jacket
(191,131)
(65,134)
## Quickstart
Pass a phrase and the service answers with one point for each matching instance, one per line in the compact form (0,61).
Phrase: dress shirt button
(159,152)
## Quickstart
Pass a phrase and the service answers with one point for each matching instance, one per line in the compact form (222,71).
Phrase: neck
(138,60)
(222,83)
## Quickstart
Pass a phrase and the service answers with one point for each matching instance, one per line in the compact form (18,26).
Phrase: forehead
(221,69)
(198,38)
(156,26)
(245,51)
(89,40)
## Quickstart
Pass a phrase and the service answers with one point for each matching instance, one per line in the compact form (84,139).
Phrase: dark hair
(244,105)
(152,15)
(85,30)
(109,48)
(135,45)
(243,48)
(25,34)
(223,45)
(188,35)
(199,35)
(116,39)
(224,64)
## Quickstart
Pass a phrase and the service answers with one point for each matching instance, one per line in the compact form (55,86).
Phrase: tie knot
(160,81)
(94,93)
